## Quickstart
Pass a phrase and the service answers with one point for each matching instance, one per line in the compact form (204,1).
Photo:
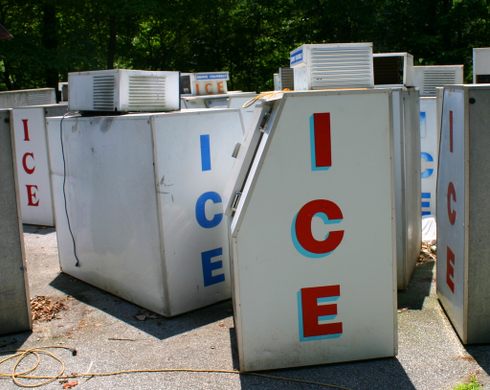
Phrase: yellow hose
(28,375)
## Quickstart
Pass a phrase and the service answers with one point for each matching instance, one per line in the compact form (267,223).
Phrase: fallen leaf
(70,385)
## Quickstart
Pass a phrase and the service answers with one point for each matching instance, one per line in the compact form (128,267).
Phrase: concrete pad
(108,337)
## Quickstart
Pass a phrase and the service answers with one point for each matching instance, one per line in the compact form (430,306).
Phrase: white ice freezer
(144,201)
(31,151)
(15,315)
(312,230)
(406,140)
(462,212)
(429,142)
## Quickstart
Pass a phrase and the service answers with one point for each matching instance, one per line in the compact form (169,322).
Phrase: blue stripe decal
(424,213)
(425,204)
(205,153)
(425,195)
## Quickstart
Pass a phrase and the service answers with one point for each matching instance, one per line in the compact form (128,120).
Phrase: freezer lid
(245,152)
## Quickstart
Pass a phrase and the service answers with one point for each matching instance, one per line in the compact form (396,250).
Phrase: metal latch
(236,199)
(235,151)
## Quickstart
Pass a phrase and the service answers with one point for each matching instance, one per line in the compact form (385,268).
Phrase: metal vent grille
(341,67)
(39,98)
(147,93)
(437,78)
(104,92)
(287,78)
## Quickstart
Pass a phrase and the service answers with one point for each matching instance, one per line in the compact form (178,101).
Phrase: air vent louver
(146,93)
(103,93)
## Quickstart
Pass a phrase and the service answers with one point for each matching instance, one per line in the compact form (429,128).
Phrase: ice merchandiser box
(462,211)
(15,315)
(429,145)
(31,150)
(143,196)
(406,153)
(312,231)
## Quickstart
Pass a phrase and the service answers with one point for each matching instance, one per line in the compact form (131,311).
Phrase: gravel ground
(110,334)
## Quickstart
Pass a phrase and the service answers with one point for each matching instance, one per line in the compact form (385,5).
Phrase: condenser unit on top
(428,78)
(340,65)
(27,97)
(481,65)
(286,75)
(393,69)
(121,90)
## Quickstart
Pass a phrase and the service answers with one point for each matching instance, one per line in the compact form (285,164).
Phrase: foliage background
(249,38)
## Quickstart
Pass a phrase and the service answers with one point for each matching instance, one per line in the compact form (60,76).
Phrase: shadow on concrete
(35,229)
(12,342)
(372,374)
(159,327)
(419,287)
(481,354)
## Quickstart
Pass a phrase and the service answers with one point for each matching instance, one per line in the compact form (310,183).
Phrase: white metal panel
(451,217)
(429,139)
(111,203)
(481,65)
(270,267)
(193,159)
(29,129)
(406,145)
(412,185)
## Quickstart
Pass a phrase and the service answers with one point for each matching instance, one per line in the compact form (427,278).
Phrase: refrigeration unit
(27,97)
(335,65)
(138,201)
(122,90)
(15,315)
(481,65)
(393,69)
(463,212)
(286,74)
(311,208)
(28,126)
(428,78)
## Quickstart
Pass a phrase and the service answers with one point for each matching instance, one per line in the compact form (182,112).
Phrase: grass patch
(472,385)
